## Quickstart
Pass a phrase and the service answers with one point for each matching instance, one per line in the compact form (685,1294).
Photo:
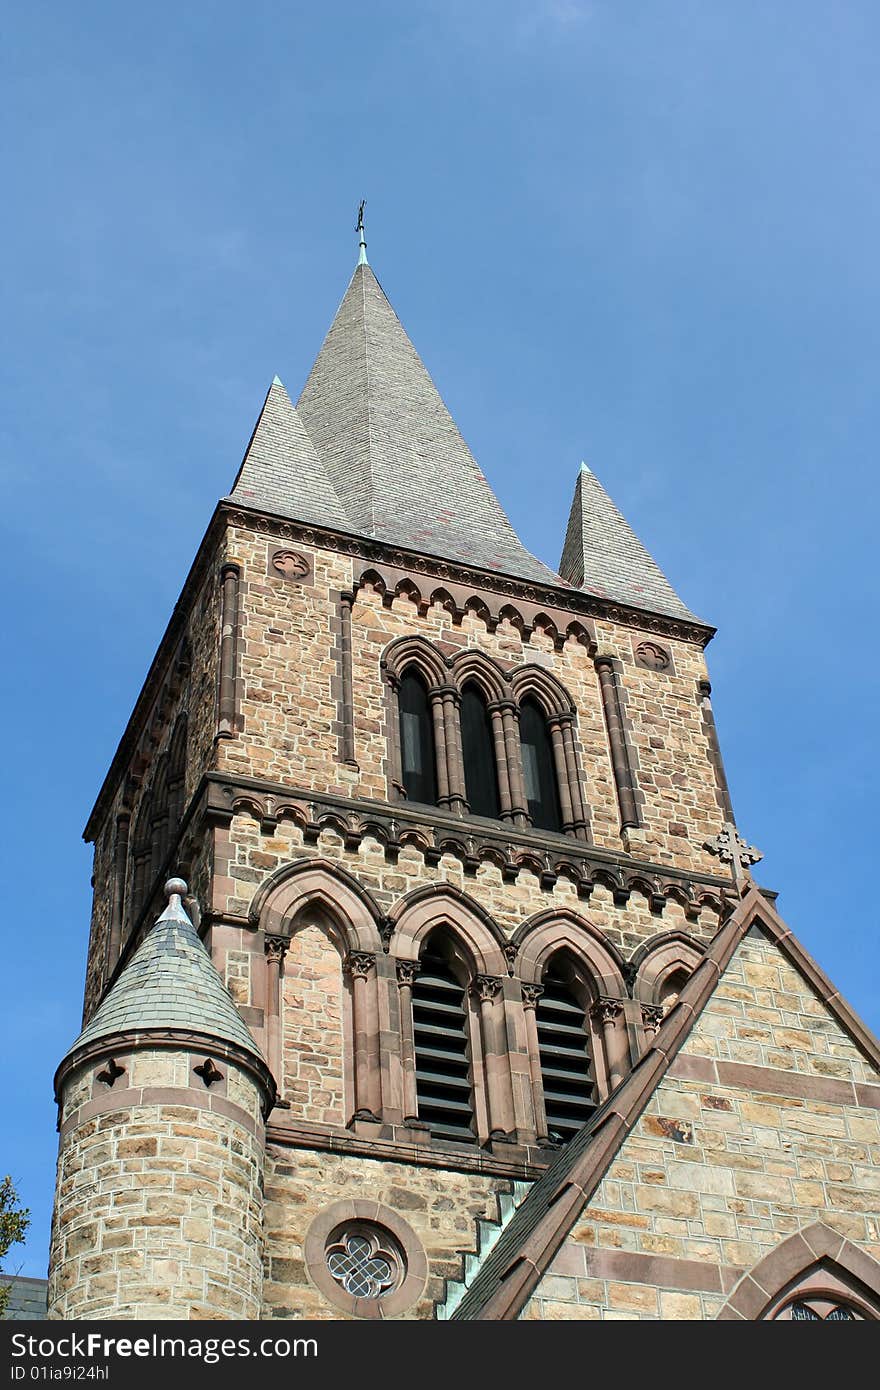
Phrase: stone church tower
(468,1006)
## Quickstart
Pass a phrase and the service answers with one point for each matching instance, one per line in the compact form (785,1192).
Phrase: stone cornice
(574,601)
(471,839)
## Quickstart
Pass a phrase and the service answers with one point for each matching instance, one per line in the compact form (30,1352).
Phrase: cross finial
(362,243)
(732,849)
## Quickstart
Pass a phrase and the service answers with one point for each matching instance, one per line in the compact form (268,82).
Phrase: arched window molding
(317,891)
(662,967)
(416,655)
(599,973)
(569,1039)
(534,684)
(478,945)
(445,1040)
(815,1262)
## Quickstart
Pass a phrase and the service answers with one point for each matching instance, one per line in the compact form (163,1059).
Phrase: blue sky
(644,235)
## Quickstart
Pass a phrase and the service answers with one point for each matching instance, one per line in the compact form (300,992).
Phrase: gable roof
(537,1229)
(604,556)
(281,471)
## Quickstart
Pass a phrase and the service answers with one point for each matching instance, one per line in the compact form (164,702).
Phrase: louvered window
(478,752)
(418,765)
(443,1080)
(542,793)
(567,1072)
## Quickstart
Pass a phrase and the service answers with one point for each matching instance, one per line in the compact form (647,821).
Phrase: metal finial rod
(362,241)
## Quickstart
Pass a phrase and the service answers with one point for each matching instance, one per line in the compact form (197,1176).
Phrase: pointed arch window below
(567,1072)
(440,1038)
(539,773)
(478,753)
(417,756)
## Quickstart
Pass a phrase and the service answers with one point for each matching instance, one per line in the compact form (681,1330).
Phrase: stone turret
(162,1106)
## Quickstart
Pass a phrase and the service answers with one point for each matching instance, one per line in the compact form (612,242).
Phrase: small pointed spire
(362,241)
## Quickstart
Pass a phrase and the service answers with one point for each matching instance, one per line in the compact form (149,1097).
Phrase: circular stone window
(365,1259)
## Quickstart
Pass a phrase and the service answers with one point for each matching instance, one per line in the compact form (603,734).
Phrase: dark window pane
(480,774)
(542,792)
(418,766)
(443,1076)
(566,1063)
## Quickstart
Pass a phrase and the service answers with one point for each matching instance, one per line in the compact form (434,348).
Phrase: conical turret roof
(170,983)
(603,555)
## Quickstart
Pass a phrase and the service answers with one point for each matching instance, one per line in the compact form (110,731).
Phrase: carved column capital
(407,971)
(486,987)
(652,1016)
(530,995)
(606,1010)
(276,948)
(358,964)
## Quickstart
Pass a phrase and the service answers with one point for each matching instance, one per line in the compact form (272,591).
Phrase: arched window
(478,753)
(417,758)
(440,1037)
(564,1044)
(142,846)
(542,791)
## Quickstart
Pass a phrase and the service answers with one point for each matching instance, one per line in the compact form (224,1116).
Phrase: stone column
(441,756)
(519,803)
(276,949)
(346,602)
(360,966)
(704,691)
(652,1017)
(454,755)
(496,714)
(407,970)
(229,577)
(530,996)
(499,1091)
(620,760)
(563,779)
(608,1013)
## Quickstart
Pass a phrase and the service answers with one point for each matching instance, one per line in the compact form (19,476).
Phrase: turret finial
(362,242)
(175,888)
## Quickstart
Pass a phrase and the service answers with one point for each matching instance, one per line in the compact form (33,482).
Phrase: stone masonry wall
(158,1205)
(440,1206)
(290,691)
(755,1134)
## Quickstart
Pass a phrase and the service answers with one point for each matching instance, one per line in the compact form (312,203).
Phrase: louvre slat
(563,1044)
(443,1082)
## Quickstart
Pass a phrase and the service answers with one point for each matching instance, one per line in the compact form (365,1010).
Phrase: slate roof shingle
(603,555)
(169,983)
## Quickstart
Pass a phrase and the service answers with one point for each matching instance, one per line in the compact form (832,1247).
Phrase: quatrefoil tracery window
(364,1260)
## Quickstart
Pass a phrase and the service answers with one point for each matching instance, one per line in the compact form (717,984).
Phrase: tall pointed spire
(604,556)
(392,451)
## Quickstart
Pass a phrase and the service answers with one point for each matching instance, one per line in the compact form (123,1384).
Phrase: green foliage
(14,1221)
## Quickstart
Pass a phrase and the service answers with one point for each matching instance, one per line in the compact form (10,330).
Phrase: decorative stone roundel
(652,656)
(365,1259)
(291,564)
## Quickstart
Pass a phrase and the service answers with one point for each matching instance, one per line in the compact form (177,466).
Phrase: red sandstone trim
(159,1095)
